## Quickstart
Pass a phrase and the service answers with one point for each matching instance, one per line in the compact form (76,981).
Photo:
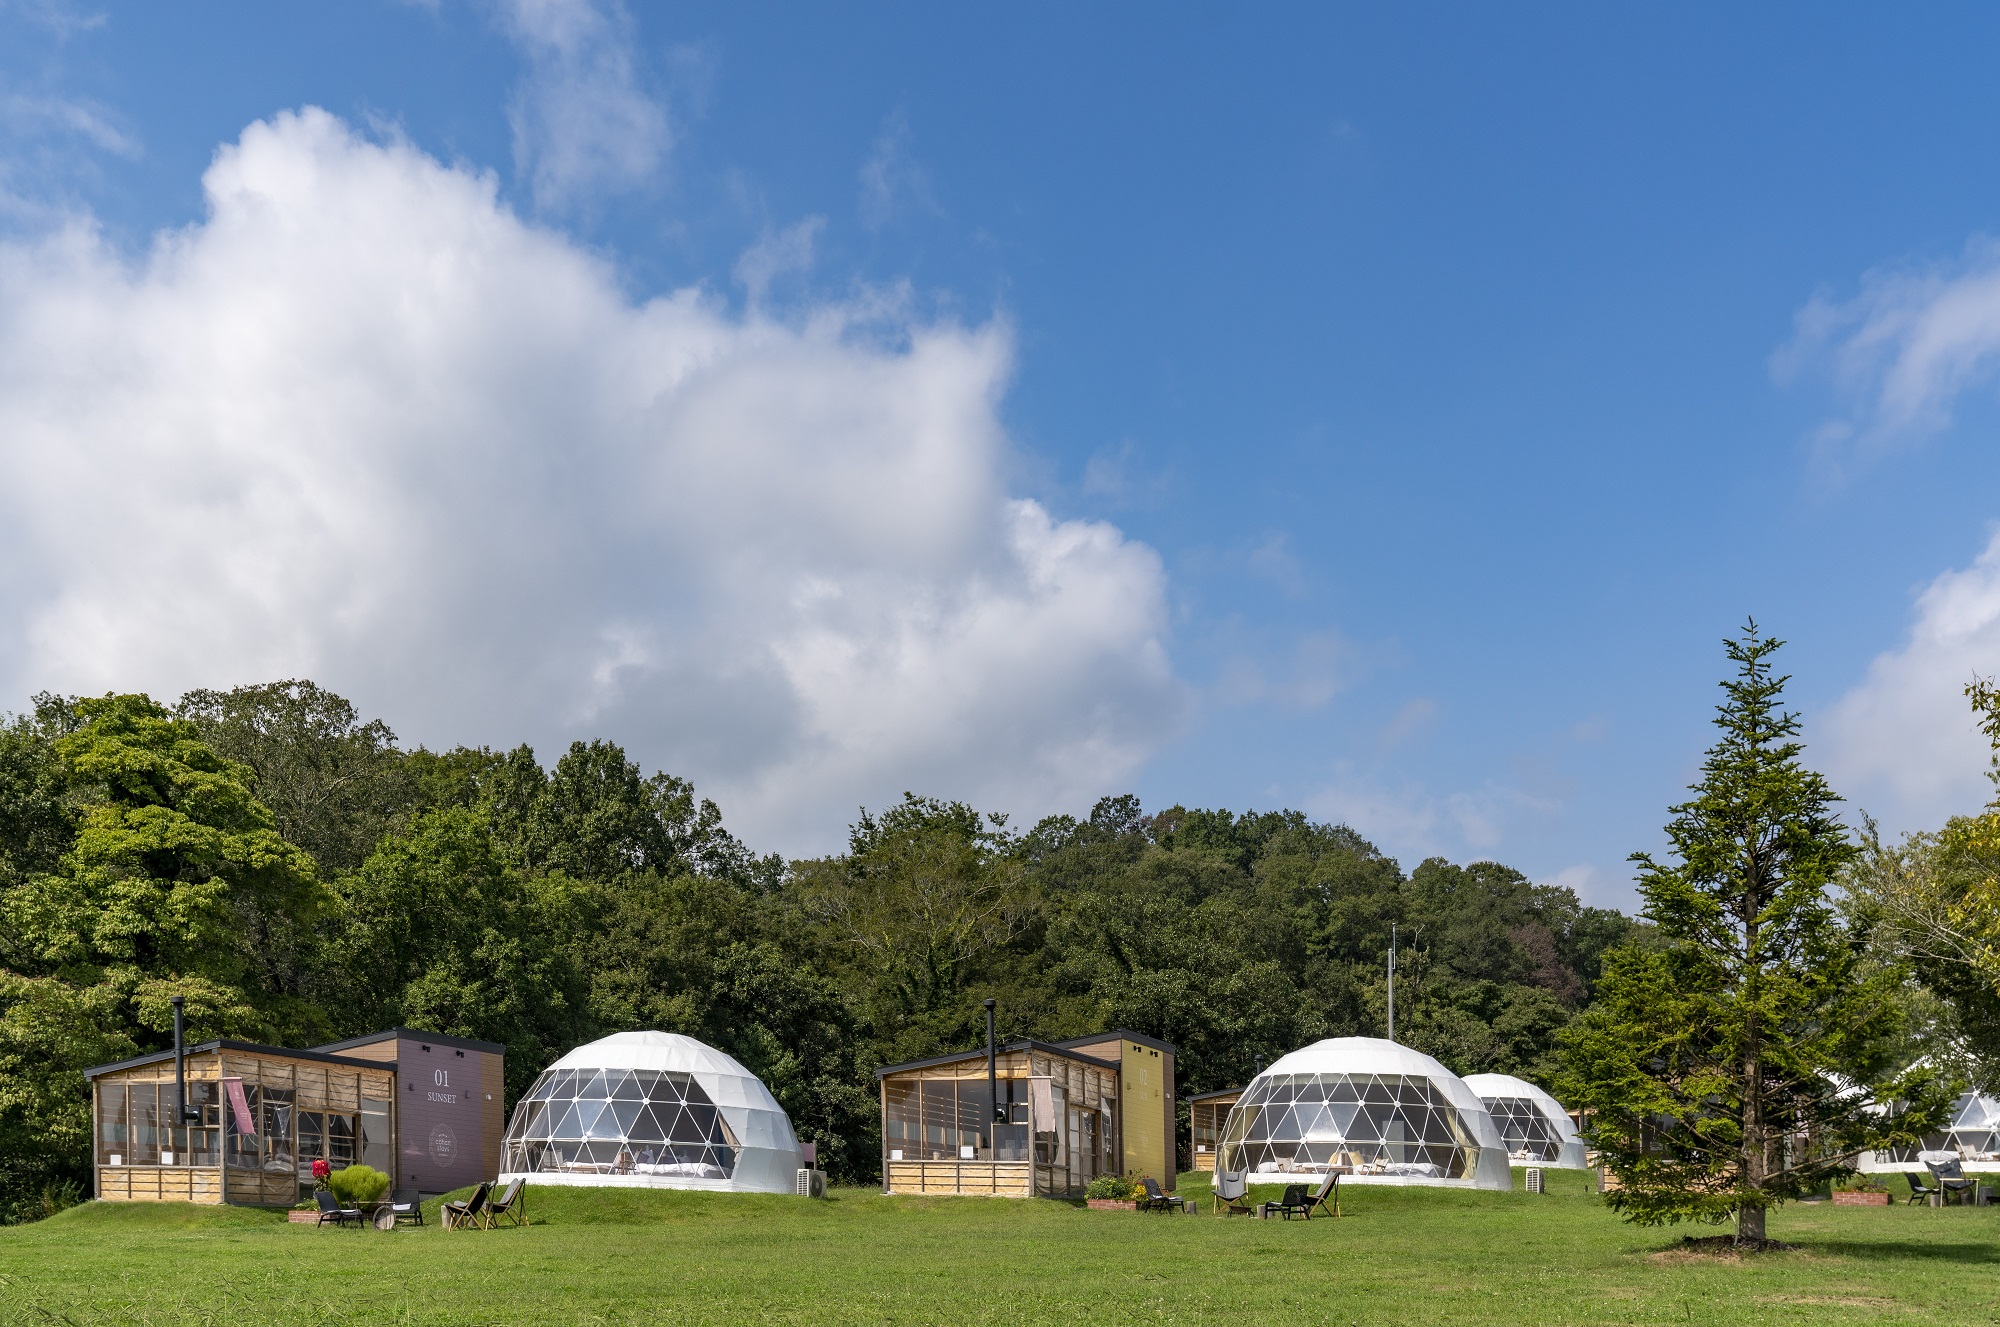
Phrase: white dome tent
(1375,1111)
(651,1110)
(1533,1124)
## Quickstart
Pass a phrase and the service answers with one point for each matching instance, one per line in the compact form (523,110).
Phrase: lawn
(1396,1256)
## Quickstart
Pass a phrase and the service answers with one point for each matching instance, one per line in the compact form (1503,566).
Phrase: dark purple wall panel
(440,1105)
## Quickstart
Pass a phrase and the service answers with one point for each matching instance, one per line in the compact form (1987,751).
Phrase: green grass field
(1397,1256)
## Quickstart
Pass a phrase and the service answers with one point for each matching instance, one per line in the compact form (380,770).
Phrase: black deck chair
(511,1205)
(1294,1201)
(1949,1176)
(331,1210)
(1158,1200)
(1918,1189)
(408,1205)
(456,1215)
(1326,1197)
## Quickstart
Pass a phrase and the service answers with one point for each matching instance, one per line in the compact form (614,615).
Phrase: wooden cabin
(1064,1118)
(1207,1113)
(264,1114)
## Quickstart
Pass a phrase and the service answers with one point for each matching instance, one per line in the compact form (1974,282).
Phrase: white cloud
(583,125)
(891,179)
(1905,348)
(365,425)
(1411,823)
(1903,744)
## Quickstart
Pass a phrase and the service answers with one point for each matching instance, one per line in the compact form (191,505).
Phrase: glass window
(374,1139)
(145,1125)
(277,1129)
(114,1140)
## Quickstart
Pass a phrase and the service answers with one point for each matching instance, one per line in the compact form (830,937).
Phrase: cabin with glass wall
(1207,1112)
(259,1116)
(1068,1112)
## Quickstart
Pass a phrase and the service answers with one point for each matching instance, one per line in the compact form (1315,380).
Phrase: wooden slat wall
(1005,1179)
(159,1184)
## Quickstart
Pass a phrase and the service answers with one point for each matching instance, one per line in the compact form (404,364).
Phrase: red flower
(321,1169)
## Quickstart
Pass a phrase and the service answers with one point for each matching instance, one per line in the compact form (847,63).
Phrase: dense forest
(283,864)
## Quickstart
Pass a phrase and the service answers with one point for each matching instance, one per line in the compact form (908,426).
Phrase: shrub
(1115,1187)
(356,1185)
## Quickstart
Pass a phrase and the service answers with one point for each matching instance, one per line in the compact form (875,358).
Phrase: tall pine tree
(1744,1058)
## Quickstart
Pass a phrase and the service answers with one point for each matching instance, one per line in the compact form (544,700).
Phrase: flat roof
(1123,1034)
(980,1054)
(416,1034)
(1210,1096)
(253,1047)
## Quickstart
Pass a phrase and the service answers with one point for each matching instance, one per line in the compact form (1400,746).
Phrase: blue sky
(1438,386)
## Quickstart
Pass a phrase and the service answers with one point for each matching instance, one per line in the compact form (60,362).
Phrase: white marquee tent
(1535,1127)
(651,1110)
(1382,1112)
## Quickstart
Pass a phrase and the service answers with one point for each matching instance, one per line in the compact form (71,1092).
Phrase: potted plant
(1861,1191)
(1112,1193)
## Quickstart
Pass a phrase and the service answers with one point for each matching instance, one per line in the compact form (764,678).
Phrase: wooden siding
(1003,1179)
(160,1184)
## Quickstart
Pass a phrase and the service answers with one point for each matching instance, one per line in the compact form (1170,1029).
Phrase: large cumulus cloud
(363,423)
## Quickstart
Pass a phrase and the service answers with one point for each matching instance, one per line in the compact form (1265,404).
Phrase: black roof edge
(1125,1034)
(1219,1092)
(254,1047)
(416,1034)
(980,1054)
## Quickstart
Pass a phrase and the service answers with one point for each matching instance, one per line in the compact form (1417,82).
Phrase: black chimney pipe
(992,1085)
(180,1071)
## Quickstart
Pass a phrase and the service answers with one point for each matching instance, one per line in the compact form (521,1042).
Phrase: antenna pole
(1392,981)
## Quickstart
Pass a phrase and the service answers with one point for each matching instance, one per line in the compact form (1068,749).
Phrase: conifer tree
(1742,1058)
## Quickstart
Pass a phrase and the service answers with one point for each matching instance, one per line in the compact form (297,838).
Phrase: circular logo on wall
(443,1144)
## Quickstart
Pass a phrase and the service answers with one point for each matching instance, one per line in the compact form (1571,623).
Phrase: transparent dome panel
(1380,1124)
(620,1122)
(1529,1133)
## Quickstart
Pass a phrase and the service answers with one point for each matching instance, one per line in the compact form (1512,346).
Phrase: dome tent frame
(1370,1110)
(652,1110)
(1530,1121)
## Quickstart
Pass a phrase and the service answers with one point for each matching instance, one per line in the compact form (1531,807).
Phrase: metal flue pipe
(992,1085)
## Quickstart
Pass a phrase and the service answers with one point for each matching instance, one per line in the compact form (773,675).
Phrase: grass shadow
(1889,1250)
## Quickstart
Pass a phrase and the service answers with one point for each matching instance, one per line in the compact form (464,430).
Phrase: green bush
(357,1185)
(1115,1187)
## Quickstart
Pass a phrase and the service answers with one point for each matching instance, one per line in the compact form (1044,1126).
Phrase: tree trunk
(1749,1225)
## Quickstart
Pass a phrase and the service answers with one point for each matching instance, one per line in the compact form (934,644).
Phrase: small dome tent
(1375,1110)
(1533,1124)
(651,1110)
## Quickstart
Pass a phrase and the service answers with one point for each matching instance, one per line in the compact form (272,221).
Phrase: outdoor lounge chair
(1294,1200)
(1232,1187)
(407,1205)
(511,1205)
(1327,1193)
(1158,1200)
(1918,1189)
(1949,1177)
(457,1215)
(331,1210)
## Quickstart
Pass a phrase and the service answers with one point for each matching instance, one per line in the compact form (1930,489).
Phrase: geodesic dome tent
(1376,1111)
(651,1110)
(1533,1124)
(1973,1133)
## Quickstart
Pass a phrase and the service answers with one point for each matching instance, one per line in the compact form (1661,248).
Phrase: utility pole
(1392,981)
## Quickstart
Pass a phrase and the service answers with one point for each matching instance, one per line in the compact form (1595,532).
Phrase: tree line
(283,864)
